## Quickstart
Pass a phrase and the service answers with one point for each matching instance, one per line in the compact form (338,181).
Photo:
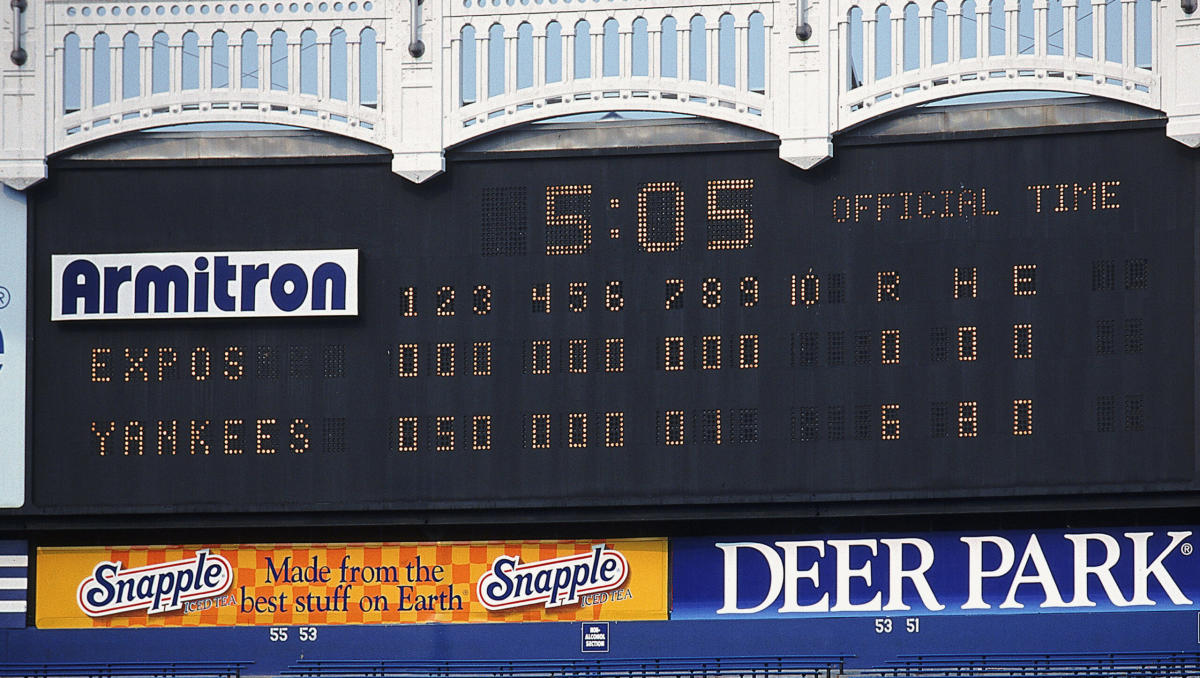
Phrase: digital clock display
(974,318)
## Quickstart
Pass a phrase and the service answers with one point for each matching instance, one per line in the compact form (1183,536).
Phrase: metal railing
(814,666)
(157,669)
(1048,665)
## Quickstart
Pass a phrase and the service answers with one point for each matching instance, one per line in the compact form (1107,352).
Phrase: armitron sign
(204,284)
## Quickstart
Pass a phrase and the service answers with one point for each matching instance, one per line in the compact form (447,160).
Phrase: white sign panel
(145,285)
(12,348)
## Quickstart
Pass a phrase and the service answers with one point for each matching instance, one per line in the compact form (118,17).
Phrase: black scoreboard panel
(973,318)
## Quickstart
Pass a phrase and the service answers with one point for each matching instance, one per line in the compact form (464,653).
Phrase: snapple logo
(555,582)
(154,588)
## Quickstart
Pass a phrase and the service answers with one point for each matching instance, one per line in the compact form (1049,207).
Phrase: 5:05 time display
(658,223)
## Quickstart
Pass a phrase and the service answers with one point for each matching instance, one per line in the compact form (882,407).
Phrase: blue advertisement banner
(14,583)
(13,256)
(1042,571)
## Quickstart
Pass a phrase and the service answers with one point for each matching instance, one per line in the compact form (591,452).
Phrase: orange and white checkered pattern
(366,591)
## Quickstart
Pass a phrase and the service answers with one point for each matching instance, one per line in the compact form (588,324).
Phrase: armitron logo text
(204,284)
(555,583)
(155,588)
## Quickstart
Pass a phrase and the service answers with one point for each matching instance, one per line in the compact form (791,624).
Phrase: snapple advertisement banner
(1136,569)
(381,583)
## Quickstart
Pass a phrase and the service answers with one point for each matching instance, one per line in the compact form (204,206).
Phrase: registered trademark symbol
(4,297)
(1186,549)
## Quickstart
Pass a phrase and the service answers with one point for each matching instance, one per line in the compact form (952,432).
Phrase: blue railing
(1164,664)
(150,669)
(1066,664)
(815,666)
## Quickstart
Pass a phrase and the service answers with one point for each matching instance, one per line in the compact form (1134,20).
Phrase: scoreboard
(976,318)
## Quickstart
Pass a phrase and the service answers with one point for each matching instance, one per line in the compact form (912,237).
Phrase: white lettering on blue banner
(14,583)
(204,284)
(1005,572)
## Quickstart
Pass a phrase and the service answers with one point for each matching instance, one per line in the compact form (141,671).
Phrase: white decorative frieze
(420,79)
